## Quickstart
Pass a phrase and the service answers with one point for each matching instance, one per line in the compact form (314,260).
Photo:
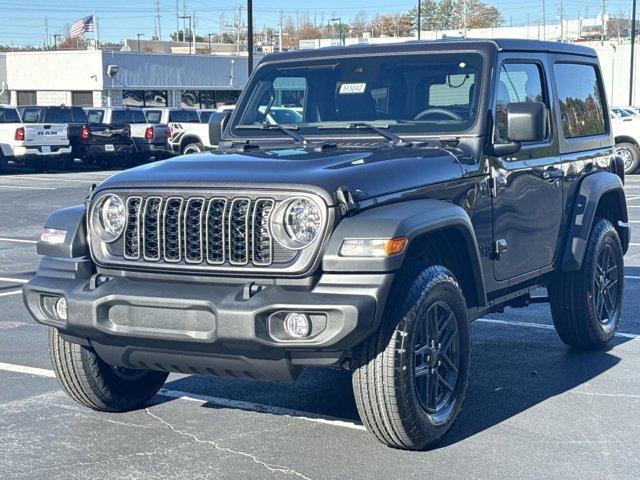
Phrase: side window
(580,98)
(519,82)
(95,116)
(153,116)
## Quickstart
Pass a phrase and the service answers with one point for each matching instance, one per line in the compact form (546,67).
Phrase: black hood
(367,173)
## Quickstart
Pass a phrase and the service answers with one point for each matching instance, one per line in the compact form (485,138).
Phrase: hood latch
(346,201)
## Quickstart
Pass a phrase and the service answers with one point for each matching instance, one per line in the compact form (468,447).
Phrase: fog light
(60,307)
(297,325)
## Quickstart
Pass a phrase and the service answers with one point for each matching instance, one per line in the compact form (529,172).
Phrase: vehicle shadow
(513,369)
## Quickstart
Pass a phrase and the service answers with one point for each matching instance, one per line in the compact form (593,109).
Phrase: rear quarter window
(179,116)
(137,116)
(31,115)
(9,115)
(580,97)
(153,116)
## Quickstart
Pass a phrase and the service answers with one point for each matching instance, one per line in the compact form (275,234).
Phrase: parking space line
(13,280)
(222,402)
(540,326)
(53,179)
(10,292)
(17,240)
(24,187)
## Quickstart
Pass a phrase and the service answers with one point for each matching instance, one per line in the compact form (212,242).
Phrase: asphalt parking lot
(534,409)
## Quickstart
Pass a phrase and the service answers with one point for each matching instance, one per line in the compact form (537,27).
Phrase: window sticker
(352,88)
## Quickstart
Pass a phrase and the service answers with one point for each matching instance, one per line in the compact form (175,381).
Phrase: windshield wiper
(276,126)
(395,140)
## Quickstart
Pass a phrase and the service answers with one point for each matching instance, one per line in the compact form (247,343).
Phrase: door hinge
(499,247)
(493,187)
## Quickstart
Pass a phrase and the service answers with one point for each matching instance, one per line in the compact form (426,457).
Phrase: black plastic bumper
(226,329)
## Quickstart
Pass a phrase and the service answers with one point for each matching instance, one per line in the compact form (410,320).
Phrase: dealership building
(91,78)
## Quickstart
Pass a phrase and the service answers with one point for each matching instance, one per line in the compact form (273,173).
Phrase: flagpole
(95,30)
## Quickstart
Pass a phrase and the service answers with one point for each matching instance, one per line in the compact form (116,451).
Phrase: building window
(27,98)
(144,98)
(208,98)
(82,99)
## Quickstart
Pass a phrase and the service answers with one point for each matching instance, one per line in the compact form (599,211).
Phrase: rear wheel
(586,304)
(195,147)
(411,377)
(630,156)
(97,385)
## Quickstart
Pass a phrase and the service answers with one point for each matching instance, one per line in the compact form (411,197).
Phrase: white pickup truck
(150,139)
(626,134)
(188,134)
(37,145)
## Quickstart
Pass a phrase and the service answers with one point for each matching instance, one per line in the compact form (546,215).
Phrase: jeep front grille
(209,231)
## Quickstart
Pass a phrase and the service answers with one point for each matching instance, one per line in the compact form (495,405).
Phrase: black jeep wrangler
(413,189)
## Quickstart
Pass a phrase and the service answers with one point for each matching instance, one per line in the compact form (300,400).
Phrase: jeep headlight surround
(297,222)
(109,218)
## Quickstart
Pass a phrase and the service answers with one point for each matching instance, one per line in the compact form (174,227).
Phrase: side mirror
(526,122)
(217,124)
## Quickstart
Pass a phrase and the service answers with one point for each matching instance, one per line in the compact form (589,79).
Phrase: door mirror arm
(504,149)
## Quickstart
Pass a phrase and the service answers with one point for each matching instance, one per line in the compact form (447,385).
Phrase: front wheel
(586,304)
(411,377)
(630,156)
(91,382)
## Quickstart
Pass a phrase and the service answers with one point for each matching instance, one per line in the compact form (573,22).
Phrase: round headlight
(111,218)
(298,224)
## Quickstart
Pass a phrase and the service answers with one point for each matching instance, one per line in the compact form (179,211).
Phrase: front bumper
(226,329)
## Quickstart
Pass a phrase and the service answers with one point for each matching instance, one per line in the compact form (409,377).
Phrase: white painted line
(52,179)
(10,292)
(13,280)
(635,244)
(28,188)
(40,372)
(540,326)
(632,277)
(259,407)
(17,240)
(631,199)
(202,399)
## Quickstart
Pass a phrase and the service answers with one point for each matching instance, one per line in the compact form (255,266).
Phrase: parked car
(149,140)
(38,145)
(74,117)
(427,184)
(188,134)
(624,112)
(204,114)
(626,134)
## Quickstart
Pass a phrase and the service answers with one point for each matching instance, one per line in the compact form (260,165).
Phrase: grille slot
(239,231)
(193,236)
(262,240)
(151,227)
(132,231)
(173,230)
(215,231)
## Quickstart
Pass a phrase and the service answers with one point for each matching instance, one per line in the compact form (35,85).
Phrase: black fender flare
(411,219)
(73,221)
(591,190)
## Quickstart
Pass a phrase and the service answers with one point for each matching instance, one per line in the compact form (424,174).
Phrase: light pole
(419,17)
(633,48)
(139,35)
(250,35)
(209,35)
(187,17)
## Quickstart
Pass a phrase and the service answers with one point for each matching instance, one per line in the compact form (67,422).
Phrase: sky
(23,23)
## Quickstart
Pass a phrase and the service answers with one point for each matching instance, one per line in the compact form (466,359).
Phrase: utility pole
(281,32)
(209,35)
(419,17)
(528,15)
(46,32)
(633,48)
(561,22)
(184,18)
(250,35)
(544,20)
(177,20)
(193,33)
(159,32)
(238,21)
(464,17)
(602,21)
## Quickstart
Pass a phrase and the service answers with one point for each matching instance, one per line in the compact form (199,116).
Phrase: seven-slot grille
(199,231)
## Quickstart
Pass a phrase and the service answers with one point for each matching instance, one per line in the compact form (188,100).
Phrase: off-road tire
(383,380)
(195,147)
(93,383)
(630,156)
(573,295)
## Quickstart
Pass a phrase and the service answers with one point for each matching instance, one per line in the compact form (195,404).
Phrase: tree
(307,31)
(359,24)
(475,14)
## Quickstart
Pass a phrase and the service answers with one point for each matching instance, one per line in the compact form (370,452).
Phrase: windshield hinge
(346,201)
(246,147)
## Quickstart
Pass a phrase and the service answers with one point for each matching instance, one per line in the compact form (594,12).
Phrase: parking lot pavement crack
(270,467)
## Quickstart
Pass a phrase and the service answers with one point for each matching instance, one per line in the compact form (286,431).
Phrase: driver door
(527,201)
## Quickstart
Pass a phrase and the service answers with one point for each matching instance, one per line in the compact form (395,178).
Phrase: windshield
(413,94)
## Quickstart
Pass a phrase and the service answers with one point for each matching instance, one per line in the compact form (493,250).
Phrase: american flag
(82,26)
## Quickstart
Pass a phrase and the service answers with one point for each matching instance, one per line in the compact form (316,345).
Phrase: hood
(367,173)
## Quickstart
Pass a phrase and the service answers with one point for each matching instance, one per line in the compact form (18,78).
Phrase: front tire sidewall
(434,426)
